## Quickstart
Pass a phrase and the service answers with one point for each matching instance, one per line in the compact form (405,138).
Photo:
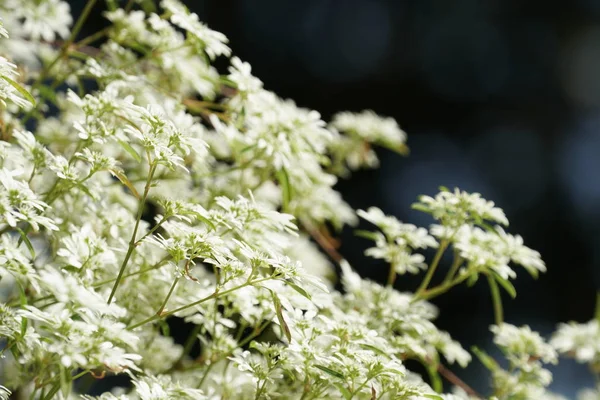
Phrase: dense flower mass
(175,192)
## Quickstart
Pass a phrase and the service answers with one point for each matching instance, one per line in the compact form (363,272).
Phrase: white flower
(212,42)
(371,127)
(394,230)
(523,343)
(45,19)
(582,341)
(241,74)
(4,393)
(459,207)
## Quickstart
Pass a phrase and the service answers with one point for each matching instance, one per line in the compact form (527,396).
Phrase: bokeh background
(501,97)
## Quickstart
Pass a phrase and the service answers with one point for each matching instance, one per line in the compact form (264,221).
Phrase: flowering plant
(139,184)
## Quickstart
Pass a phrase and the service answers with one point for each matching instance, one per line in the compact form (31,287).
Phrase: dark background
(499,97)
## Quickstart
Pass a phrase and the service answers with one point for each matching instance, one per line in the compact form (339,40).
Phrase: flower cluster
(178,192)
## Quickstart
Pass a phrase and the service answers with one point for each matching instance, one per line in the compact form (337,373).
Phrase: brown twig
(325,244)
(455,380)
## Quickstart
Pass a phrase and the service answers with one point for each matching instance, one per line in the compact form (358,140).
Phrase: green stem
(141,271)
(438,290)
(454,267)
(434,264)
(391,275)
(93,37)
(132,242)
(164,304)
(496,299)
(65,47)
(205,374)
(195,303)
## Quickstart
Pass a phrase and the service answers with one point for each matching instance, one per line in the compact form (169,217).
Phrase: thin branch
(456,381)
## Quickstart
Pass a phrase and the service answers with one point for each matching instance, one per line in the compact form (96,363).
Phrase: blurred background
(501,97)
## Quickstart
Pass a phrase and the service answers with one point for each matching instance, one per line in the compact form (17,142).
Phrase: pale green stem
(497,300)
(164,304)
(195,303)
(391,275)
(438,290)
(434,264)
(133,242)
(454,267)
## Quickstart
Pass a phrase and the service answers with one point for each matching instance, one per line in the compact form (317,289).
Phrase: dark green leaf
(164,327)
(330,371)
(286,189)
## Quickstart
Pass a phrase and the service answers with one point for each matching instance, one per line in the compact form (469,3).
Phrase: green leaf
(148,6)
(485,359)
(472,279)
(344,391)
(279,311)
(299,290)
(421,207)
(25,239)
(433,396)
(366,234)
(434,376)
(23,301)
(444,189)
(330,371)
(48,93)
(164,327)
(286,189)
(206,221)
(506,284)
(20,89)
(374,349)
(120,175)
(127,147)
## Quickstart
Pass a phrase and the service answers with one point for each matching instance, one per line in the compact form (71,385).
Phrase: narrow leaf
(366,234)
(279,311)
(374,349)
(344,391)
(164,327)
(25,239)
(506,284)
(127,147)
(20,89)
(485,359)
(471,280)
(421,207)
(120,175)
(299,290)
(286,190)
(330,371)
